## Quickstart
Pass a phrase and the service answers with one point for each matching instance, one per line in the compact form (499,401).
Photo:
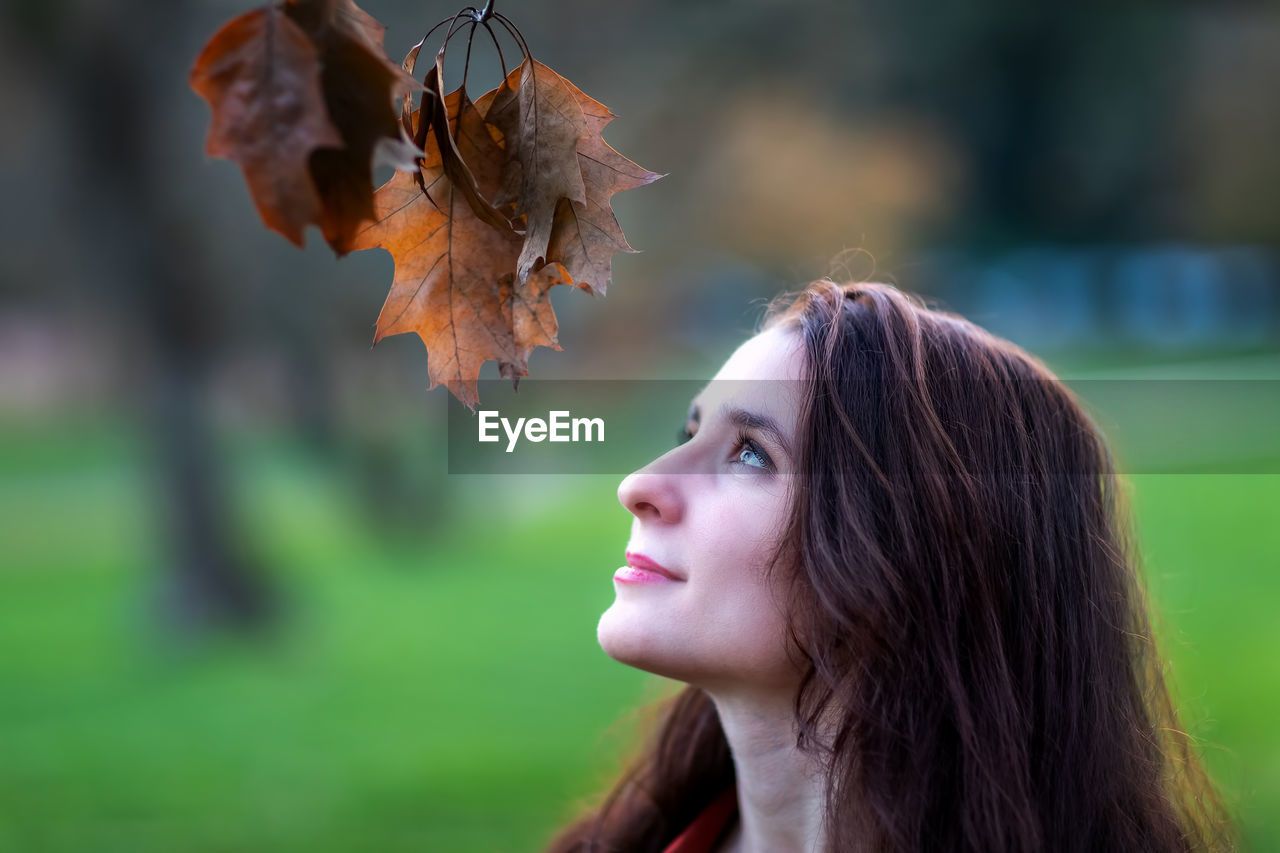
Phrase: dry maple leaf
(541,122)
(583,234)
(455,164)
(532,318)
(455,274)
(359,83)
(500,200)
(261,76)
(586,236)
(407,118)
(301,93)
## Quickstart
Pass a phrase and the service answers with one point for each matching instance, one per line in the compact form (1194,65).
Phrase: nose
(652,494)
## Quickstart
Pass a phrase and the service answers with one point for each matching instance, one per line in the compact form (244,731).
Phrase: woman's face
(694,602)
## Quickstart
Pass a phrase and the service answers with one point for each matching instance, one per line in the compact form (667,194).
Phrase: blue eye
(745,450)
(750,454)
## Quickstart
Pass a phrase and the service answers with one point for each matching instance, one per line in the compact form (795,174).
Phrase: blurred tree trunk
(119,66)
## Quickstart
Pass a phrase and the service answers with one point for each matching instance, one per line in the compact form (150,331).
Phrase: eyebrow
(745,419)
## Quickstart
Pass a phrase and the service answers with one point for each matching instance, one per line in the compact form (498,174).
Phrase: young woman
(890,564)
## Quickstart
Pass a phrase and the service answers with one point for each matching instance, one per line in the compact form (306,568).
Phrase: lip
(642,569)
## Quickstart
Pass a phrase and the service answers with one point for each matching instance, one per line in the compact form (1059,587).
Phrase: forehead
(762,374)
(774,354)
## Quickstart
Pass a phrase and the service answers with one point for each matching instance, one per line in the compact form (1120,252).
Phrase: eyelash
(741,442)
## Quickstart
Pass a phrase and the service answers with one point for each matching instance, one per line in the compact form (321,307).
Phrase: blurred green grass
(442,691)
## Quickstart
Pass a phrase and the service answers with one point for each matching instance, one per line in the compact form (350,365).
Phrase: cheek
(738,535)
(744,637)
(742,602)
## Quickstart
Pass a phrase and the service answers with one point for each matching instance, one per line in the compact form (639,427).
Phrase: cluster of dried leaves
(499,198)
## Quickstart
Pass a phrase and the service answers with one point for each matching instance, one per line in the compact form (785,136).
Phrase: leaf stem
(454,28)
(515,33)
(466,63)
(458,20)
(502,59)
(431,31)
(484,14)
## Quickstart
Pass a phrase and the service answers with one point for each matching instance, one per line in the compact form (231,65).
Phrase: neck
(780,789)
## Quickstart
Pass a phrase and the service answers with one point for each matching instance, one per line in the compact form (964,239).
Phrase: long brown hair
(978,666)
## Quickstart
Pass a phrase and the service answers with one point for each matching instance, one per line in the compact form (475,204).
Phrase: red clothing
(708,828)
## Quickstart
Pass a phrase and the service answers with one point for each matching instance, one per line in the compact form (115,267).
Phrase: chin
(633,636)
(634,639)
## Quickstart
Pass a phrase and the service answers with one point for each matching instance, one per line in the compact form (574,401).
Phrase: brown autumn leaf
(542,124)
(301,94)
(260,74)
(455,274)
(455,164)
(532,318)
(359,83)
(502,200)
(407,118)
(586,236)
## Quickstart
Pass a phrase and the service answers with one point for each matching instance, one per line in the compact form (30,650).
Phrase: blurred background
(244,606)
